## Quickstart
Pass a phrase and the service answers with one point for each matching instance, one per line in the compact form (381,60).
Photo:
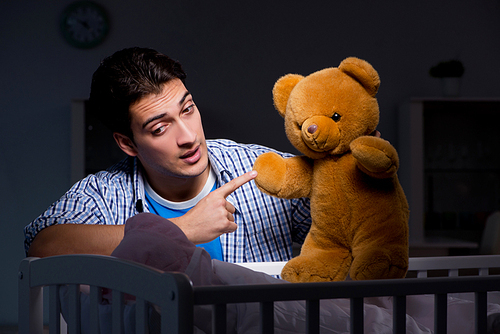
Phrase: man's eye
(159,130)
(189,109)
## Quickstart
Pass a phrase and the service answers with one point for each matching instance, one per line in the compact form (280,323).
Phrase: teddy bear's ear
(282,89)
(362,72)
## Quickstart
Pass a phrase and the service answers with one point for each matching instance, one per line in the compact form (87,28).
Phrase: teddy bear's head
(328,109)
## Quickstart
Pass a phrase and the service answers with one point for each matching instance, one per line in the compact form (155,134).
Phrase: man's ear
(125,144)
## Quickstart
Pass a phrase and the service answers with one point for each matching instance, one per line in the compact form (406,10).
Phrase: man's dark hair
(123,79)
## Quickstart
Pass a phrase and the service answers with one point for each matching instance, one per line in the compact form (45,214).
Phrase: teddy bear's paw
(307,269)
(271,172)
(375,156)
(378,265)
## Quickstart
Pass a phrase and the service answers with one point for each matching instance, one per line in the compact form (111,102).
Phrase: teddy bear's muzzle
(320,133)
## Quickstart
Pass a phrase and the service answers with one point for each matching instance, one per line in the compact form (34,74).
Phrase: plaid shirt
(267,226)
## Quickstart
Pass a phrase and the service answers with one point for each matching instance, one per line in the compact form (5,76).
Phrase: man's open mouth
(192,156)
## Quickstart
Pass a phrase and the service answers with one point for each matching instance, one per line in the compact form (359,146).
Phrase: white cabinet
(450,169)
(92,145)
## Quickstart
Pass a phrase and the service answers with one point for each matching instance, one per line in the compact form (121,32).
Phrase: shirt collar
(224,175)
(222,172)
(215,157)
(138,181)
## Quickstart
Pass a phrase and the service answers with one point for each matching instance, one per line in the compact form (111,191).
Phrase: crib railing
(172,292)
(420,265)
(356,291)
(453,264)
(176,297)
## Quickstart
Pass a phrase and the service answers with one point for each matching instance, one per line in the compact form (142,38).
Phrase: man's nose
(186,134)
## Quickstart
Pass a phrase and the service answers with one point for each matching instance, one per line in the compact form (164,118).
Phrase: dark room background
(233,52)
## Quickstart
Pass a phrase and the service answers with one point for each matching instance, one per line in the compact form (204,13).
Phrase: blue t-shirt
(213,247)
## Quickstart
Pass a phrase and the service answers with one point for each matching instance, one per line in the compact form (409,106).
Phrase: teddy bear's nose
(312,128)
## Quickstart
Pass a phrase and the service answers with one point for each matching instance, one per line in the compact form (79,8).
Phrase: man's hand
(213,215)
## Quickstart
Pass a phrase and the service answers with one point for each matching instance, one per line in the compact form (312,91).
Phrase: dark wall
(233,52)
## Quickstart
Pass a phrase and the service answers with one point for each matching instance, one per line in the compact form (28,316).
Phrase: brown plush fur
(358,208)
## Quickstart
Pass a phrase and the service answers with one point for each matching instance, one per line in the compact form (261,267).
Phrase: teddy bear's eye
(336,117)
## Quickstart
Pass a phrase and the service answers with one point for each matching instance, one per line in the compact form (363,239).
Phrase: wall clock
(84,24)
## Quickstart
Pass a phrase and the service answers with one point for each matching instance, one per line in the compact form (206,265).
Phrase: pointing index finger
(234,184)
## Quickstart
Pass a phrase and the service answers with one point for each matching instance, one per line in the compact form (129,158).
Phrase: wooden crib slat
(357,316)
(421,273)
(399,314)
(95,298)
(481,300)
(177,304)
(141,316)
(267,317)
(117,312)
(440,313)
(74,320)
(54,310)
(219,319)
(312,316)
(30,302)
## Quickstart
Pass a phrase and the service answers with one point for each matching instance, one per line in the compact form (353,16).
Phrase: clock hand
(85,24)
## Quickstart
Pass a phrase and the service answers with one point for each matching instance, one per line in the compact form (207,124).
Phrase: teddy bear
(358,208)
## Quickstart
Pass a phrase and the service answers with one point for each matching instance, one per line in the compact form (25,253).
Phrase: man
(201,186)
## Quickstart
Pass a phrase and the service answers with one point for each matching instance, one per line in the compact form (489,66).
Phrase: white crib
(176,297)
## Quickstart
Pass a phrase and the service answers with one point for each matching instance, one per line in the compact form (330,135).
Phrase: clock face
(84,24)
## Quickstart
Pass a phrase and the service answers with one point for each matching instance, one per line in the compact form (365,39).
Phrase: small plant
(447,69)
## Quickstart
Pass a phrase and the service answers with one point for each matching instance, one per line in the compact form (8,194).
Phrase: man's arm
(210,218)
(76,239)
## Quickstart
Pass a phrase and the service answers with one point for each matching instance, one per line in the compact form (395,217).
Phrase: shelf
(449,167)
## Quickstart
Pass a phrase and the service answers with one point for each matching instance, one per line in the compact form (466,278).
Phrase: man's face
(168,134)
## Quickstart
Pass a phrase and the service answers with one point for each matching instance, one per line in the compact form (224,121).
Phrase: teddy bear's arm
(283,177)
(375,156)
